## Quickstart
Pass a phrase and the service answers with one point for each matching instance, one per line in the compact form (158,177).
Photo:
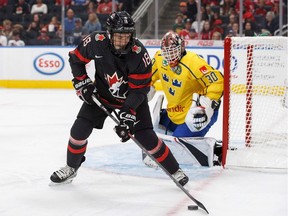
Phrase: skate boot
(64,175)
(180,176)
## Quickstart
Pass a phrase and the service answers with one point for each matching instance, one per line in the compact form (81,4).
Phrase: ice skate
(64,175)
(180,176)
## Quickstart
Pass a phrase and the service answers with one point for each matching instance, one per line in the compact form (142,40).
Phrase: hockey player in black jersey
(122,81)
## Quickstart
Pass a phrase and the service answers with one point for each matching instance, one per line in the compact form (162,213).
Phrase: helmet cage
(121,22)
(172,48)
(172,54)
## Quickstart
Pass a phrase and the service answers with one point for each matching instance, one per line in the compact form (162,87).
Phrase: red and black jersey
(119,79)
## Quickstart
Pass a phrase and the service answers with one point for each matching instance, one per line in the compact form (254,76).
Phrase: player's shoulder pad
(99,36)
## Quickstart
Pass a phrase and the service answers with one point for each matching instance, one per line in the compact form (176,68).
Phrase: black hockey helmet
(121,22)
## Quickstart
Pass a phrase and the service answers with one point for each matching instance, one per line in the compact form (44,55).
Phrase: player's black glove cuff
(127,119)
(84,88)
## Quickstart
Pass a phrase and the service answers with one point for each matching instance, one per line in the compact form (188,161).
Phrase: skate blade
(68,181)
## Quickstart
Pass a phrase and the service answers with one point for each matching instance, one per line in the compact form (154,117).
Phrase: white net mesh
(258,117)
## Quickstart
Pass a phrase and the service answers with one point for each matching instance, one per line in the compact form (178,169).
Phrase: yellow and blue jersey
(192,75)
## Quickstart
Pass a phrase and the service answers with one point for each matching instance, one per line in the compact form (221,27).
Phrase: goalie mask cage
(255,105)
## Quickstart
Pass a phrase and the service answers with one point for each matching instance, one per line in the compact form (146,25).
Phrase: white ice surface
(34,129)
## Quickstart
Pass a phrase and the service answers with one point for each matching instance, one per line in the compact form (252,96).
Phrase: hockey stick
(146,152)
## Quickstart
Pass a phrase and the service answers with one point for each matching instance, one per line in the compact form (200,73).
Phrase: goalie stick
(144,150)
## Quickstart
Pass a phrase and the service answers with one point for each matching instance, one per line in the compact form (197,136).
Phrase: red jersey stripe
(131,85)
(78,54)
(140,76)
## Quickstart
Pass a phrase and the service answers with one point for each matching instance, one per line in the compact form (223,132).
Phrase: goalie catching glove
(84,88)
(127,119)
(200,113)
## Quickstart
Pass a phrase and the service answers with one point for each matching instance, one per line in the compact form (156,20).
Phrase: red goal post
(255,109)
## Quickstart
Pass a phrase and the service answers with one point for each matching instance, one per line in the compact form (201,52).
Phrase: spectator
(58,34)
(91,7)
(106,7)
(19,28)
(184,33)
(233,31)
(227,7)
(53,26)
(230,33)
(16,40)
(248,29)
(3,39)
(192,8)
(80,2)
(206,33)
(79,32)
(193,35)
(7,29)
(232,20)
(37,20)
(69,22)
(21,7)
(32,31)
(39,8)
(248,17)
(216,27)
(204,13)
(43,37)
(216,35)
(271,23)
(183,10)
(92,24)
(179,24)
(195,25)
(248,6)
(260,10)
(3,3)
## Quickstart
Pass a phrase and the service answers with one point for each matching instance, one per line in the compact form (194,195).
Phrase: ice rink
(34,130)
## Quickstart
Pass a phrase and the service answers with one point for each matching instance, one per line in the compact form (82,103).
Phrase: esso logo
(49,63)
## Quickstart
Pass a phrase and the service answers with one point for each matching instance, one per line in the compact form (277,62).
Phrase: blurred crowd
(220,18)
(38,22)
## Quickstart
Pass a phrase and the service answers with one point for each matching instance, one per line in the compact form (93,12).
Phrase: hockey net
(255,110)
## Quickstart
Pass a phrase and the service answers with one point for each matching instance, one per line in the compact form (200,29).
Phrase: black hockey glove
(84,89)
(127,119)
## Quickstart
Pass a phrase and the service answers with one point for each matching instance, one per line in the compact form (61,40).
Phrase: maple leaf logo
(115,84)
(99,37)
(136,49)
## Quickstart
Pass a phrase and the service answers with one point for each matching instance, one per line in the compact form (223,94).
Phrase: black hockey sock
(75,154)
(166,158)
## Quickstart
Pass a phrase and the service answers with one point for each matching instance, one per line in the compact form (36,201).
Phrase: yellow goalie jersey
(192,75)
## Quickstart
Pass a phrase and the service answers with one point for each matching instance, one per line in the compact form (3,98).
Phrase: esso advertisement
(49,63)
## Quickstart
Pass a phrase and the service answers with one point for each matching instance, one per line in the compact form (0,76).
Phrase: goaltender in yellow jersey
(184,76)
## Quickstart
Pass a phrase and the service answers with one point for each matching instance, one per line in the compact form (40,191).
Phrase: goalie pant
(92,116)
